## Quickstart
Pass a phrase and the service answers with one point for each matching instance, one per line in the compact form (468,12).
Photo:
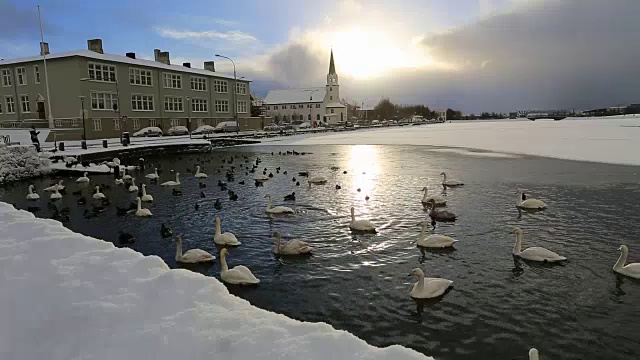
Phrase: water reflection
(364,166)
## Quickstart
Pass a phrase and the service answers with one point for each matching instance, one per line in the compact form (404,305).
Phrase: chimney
(156,54)
(210,65)
(95,45)
(44,48)
(161,56)
(186,65)
(131,55)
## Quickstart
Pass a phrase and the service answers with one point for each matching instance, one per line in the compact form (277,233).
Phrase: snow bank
(68,296)
(20,162)
(91,169)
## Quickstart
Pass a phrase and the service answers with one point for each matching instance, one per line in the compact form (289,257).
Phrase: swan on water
(57,186)
(533,253)
(98,195)
(316,180)
(631,270)
(239,275)
(146,197)
(119,181)
(427,288)
(192,256)
(140,211)
(125,176)
(360,225)
(261,178)
(450,182)
(226,238)
(153,176)
(533,354)
(439,215)
(199,174)
(529,204)
(172,183)
(293,247)
(277,209)
(434,240)
(83,179)
(55,195)
(32,195)
(438,199)
(133,187)
(115,162)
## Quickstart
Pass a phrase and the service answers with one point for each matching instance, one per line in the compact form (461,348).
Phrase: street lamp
(84,127)
(233,97)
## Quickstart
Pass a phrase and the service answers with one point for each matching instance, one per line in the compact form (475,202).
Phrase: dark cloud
(20,23)
(297,65)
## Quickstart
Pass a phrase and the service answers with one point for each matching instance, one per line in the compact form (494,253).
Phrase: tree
(385,109)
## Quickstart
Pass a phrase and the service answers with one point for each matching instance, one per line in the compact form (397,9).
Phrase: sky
(471,55)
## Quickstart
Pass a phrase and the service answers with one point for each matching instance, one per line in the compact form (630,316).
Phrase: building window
(21,76)
(102,72)
(275,107)
(198,83)
(268,107)
(220,86)
(242,107)
(0,107)
(36,74)
(330,97)
(153,122)
(6,78)
(136,124)
(97,125)
(116,124)
(332,111)
(173,104)
(309,117)
(140,77)
(10,104)
(142,102)
(318,117)
(317,106)
(241,88)
(199,105)
(284,107)
(103,100)
(222,106)
(57,123)
(74,122)
(175,122)
(24,103)
(330,88)
(172,81)
(293,106)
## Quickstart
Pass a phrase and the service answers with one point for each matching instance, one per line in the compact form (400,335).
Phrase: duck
(303,173)
(439,215)
(172,183)
(146,197)
(176,192)
(165,231)
(98,195)
(529,204)
(119,181)
(202,185)
(239,275)
(140,211)
(125,238)
(55,195)
(338,187)
(154,175)
(83,179)
(434,241)
(450,182)
(428,288)
(293,247)
(192,256)
(224,239)
(631,270)
(360,225)
(31,195)
(277,209)
(217,205)
(81,201)
(233,196)
(533,354)
(54,187)
(199,174)
(533,253)
(133,187)
(438,199)
(290,197)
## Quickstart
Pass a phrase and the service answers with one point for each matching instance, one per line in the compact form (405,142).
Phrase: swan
(125,176)
(293,247)
(534,253)
(54,187)
(153,175)
(83,179)
(140,211)
(434,240)
(200,175)
(32,195)
(427,288)
(261,178)
(55,195)
(438,199)
(529,204)
(239,275)
(115,162)
(119,181)
(450,182)
(98,195)
(226,238)
(133,187)
(631,270)
(440,215)
(172,183)
(277,209)
(533,354)
(360,225)
(191,256)
(146,197)
(317,180)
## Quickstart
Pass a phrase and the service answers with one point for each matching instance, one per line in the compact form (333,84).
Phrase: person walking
(34,137)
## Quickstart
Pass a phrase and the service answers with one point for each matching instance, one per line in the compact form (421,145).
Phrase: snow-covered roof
(293,96)
(335,105)
(119,59)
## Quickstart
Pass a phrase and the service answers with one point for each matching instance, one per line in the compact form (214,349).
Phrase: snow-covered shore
(68,296)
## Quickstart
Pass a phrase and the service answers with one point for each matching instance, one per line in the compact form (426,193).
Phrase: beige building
(145,92)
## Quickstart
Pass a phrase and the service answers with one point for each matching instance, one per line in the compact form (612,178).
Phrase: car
(226,126)
(272,127)
(204,129)
(148,131)
(178,130)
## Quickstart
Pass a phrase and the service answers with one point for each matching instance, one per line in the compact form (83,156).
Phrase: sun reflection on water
(363,167)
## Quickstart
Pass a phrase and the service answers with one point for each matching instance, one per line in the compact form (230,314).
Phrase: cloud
(233,36)
(225,22)
(21,23)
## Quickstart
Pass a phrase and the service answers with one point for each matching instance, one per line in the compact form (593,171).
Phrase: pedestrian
(34,137)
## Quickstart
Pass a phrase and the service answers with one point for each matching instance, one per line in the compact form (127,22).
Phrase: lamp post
(189,115)
(233,97)
(84,127)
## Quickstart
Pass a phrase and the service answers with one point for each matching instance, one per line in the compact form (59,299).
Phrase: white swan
(226,238)
(199,174)
(119,181)
(83,179)
(529,204)
(360,225)
(140,211)
(172,183)
(533,354)
(239,275)
(125,176)
(115,162)
(146,197)
(631,270)
(261,178)
(153,176)
(293,247)
(533,253)
(277,209)
(438,199)
(133,187)
(98,195)
(317,180)
(191,256)
(427,288)
(55,195)
(434,240)
(32,195)
(450,182)
(57,186)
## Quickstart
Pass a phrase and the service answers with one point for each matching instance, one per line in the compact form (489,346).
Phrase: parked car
(227,126)
(204,129)
(148,131)
(178,130)
(272,127)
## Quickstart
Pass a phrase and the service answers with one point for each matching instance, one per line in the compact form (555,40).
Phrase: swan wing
(540,254)
(226,239)
(533,204)
(633,268)
(295,247)
(437,241)
(239,275)
(362,225)
(281,210)
(433,287)
(168,183)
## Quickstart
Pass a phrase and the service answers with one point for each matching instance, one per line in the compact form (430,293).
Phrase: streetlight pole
(189,115)
(84,127)
(235,109)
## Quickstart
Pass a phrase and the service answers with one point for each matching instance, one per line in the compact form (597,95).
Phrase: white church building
(319,106)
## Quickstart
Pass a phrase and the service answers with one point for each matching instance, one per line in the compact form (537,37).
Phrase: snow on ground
(68,296)
(95,146)
(21,162)
(91,169)
(22,135)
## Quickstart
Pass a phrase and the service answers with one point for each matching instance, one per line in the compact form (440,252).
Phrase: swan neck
(425,196)
(420,281)
(139,204)
(518,245)
(177,177)
(178,249)
(622,259)
(278,243)
(218,229)
(30,189)
(444,180)
(223,262)
(144,190)
(519,199)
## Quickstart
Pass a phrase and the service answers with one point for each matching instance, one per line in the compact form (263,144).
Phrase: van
(226,126)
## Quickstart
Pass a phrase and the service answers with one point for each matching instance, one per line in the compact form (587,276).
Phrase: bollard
(83,144)
(104,144)
(61,146)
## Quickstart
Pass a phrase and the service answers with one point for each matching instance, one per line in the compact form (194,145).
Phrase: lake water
(498,307)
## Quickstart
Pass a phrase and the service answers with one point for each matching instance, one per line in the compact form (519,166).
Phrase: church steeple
(332,76)
(332,66)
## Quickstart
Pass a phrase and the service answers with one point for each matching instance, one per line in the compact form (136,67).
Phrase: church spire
(332,66)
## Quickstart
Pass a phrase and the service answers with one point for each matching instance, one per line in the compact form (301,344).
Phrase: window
(269,108)
(275,107)
(153,122)
(10,105)
(0,107)
(24,103)
(102,72)
(57,123)
(330,97)
(6,78)
(241,88)
(142,102)
(242,107)
(103,101)
(284,107)
(36,74)
(136,124)
(97,125)
(173,104)
(220,86)
(332,111)
(317,106)
(21,76)
(198,83)
(222,106)
(74,122)
(175,122)
(199,105)
(172,81)
(318,117)
(116,124)
(140,77)
(293,106)
(309,117)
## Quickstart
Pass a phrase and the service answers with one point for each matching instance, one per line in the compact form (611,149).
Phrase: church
(319,106)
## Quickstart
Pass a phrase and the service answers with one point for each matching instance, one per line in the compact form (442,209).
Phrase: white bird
(434,240)
(293,247)
(54,187)
(98,195)
(146,197)
(119,181)
(630,270)
(450,182)
(317,180)
(261,178)
(153,175)
(529,204)
(140,211)
(83,179)
(533,354)
(239,275)
(533,253)
(191,256)
(360,225)
(133,187)
(172,183)
(438,199)
(226,238)
(113,163)
(199,174)
(125,176)
(427,288)
(55,195)
(277,209)
(32,195)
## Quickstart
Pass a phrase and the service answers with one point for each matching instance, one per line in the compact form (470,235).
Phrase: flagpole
(46,74)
